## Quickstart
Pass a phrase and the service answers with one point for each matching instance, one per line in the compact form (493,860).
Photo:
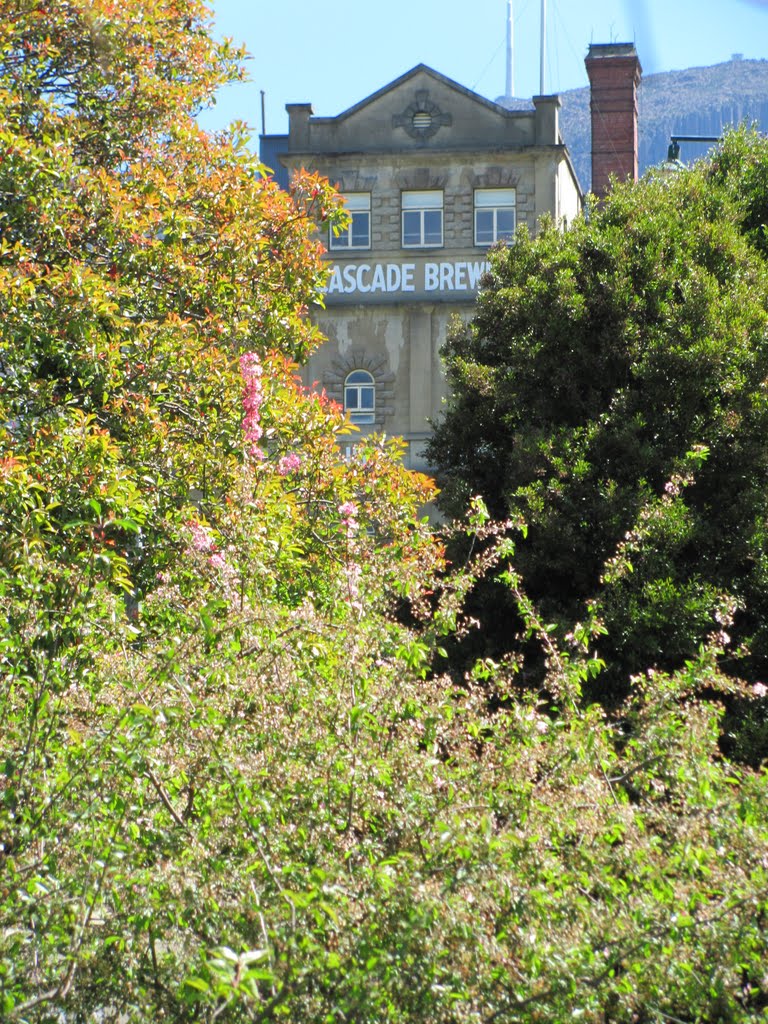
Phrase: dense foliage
(612,392)
(230,788)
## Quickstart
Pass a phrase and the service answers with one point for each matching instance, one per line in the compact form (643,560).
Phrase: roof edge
(439,77)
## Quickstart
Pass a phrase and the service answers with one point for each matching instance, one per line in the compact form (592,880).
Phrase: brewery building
(433,176)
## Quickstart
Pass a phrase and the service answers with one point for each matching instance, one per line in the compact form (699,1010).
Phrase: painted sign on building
(359,281)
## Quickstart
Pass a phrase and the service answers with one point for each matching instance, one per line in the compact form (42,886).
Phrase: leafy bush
(611,392)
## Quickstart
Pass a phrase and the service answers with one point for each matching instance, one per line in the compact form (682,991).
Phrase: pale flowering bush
(289,804)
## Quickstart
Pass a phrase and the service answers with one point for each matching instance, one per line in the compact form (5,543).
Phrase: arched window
(360,397)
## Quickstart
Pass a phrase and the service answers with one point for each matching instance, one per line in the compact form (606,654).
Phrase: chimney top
(298,126)
(598,50)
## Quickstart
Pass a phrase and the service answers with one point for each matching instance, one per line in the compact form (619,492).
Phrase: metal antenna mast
(510,89)
(543,59)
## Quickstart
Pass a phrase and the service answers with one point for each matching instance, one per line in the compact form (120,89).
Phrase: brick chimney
(614,75)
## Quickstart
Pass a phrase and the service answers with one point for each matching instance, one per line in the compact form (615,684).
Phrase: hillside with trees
(238,782)
(694,101)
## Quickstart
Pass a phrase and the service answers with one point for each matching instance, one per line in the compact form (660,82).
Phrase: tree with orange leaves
(167,490)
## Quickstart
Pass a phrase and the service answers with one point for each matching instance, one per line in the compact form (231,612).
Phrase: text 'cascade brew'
(403,278)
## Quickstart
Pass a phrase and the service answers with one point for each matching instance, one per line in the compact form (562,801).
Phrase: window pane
(411,228)
(361,229)
(359,377)
(340,241)
(362,417)
(351,398)
(433,227)
(366,398)
(485,197)
(422,200)
(484,227)
(357,201)
(505,223)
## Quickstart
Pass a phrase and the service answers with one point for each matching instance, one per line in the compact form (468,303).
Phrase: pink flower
(288,464)
(218,561)
(253,396)
(347,511)
(201,539)
(250,365)
(760,689)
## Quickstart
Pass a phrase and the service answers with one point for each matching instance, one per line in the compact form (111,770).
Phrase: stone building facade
(433,175)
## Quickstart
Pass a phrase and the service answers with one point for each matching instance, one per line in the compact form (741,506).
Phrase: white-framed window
(357,234)
(422,218)
(360,397)
(494,215)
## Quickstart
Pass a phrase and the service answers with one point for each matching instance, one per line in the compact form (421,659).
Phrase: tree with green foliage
(167,487)
(611,393)
(231,789)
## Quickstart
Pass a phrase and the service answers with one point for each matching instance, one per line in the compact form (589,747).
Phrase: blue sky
(334,54)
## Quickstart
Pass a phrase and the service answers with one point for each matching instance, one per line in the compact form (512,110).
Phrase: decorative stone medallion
(421,119)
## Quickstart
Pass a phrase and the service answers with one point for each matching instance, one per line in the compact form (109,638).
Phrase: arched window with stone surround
(360,397)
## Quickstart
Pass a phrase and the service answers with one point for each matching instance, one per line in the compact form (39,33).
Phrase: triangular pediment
(421,78)
(421,109)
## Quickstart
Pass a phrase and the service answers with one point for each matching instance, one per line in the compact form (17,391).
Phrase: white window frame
(494,201)
(421,202)
(358,205)
(356,398)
